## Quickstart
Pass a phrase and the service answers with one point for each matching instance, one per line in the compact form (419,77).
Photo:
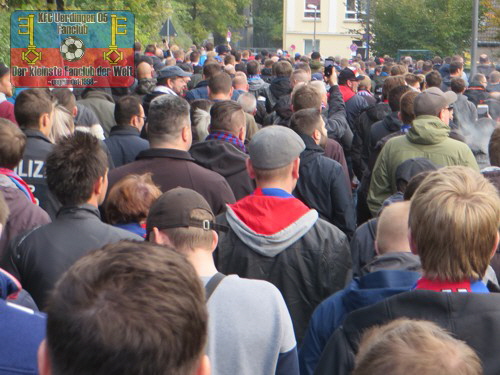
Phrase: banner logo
(72,48)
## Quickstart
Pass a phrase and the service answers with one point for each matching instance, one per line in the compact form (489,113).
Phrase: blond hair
(414,347)
(454,220)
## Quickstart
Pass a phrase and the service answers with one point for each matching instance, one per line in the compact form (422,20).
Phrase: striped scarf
(227,137)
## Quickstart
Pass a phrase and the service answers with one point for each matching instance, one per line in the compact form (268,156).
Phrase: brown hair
(31,105)
(305,96)
(494,147)
(454,220)
(306,121)
(130,198)
(397,70)
(227,116)
(414,347)
(211,69)
(406,106)
(12,144)
(457,85)
(390,83)
(127,308)
(220,84)
(395,97)
(283,69)
(190,238)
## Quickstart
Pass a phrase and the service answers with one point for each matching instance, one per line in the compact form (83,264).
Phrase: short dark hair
(283,69)
(125,108)
(65,97)
(12,144)
(315,55)
(455,67)
(304,66)
(194,56)
(395,97)
(127,308)
(406,106)
(210,70)
(306,121)
(74,166)
(167,116)
(457,85)
(494,147)
(253,68)
(427,67)
(433,79)
(137,46)
(130,198)
(31,105)
(390,83)
(222,116)
(229,59)
(220,83)
(305,96)
(150,48)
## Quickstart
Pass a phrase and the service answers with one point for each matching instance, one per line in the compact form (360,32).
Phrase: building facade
(335,22)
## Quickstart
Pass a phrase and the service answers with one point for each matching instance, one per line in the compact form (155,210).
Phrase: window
(308,46)
(354,9)
(309,8)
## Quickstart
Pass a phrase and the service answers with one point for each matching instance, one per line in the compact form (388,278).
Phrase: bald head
(144,70)
(392,229)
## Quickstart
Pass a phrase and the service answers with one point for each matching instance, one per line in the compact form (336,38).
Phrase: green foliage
(268,22)
(443,27)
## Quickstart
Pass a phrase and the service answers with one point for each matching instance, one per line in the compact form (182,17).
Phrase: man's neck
(287,186)
(203,262)
(174,146)
(219,97)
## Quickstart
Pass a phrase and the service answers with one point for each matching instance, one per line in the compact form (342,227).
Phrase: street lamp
(312,6)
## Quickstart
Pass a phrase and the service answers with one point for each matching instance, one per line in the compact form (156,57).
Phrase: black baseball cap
(347,74)
(174,209)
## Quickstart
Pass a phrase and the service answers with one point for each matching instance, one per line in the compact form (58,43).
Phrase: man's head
(390,83)
(282,69)
(299,76)
(348,78)
(12,144)
(77,170)
(454,220)
(129,111)
(316,56)
(494,147)
(310,122)
(240,82)
(406,113)
(127,308)
(305,96)
(220,87)
(413,81)
(456,68)
(174,78)
(67,99)
(210,70)
(433,79)
(483,59)
(479,79)
(414,347)
(169,122)
(458,85)
(5,85)
(253,68)
(144,70)
(392,229)
(434,102)
(182,218)
(494,77)
(395,97)
(248,103)
(34,109)
(274,157)
(228,116)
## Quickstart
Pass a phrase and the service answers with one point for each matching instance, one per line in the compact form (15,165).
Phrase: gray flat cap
(274,147)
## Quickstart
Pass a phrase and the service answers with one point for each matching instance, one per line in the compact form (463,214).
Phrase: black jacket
(32,170)
(306,265)
(388,125)
(280,86)
(471,317)
(172,168)
(124,144)
(322,186)
(476,93)
(41,256)
(227,160)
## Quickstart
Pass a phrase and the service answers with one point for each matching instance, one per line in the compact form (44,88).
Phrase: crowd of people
(235,213)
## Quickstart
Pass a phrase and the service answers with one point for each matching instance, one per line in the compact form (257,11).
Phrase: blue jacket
(124,144)
(329,315)
(22,332)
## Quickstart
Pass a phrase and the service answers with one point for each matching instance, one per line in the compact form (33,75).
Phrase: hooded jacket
(361,292)
(103,105)
(258,87)
(279,87)
(279,239)
(322,186)
(388,125)
(470,317)
(227,160)
(427,138)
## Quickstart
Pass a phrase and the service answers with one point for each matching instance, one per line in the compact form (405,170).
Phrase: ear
(159,238)
(399,116)
(44,121)
(295,169)
(75,111)
(250,170)
(209,92)
(185,133)
(99,185)
(215,240)
(411,241)
(231,92)
(316,135)
(204,366)
(495,247)
(43,359)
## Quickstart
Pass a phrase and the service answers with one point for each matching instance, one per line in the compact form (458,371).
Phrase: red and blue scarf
(19,182)
(227,137)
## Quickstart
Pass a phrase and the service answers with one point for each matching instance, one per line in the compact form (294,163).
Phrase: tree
(443,27)
(268,23)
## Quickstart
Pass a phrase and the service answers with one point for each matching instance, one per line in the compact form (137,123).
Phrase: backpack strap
(212,285)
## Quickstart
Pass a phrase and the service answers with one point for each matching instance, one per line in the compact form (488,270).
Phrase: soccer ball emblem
(72,48)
